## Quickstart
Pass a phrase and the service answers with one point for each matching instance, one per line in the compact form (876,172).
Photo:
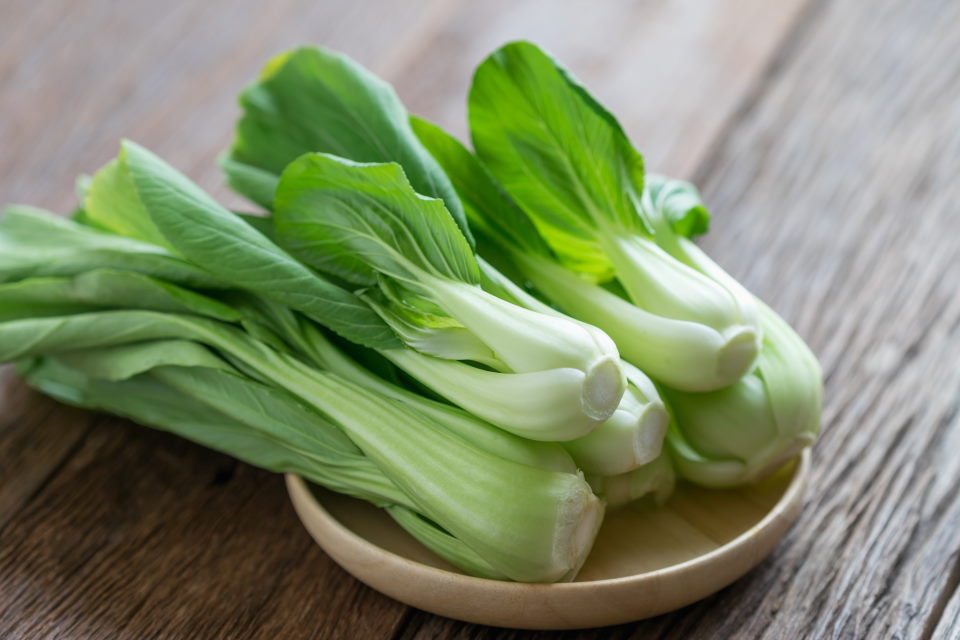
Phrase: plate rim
(792,499)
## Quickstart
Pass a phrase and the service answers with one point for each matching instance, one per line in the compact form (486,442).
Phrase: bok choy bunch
(743,432)
(303,102)
(568,165)
(111,320)
(434,330)
(402,279)
(732,435)
(397,233)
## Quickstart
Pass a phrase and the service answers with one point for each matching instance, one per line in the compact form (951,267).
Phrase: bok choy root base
(494,346)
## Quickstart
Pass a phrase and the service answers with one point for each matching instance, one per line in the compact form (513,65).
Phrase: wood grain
(948,626)
(832,176)
(76,77)
(143,535)
(849,161)
(36,436)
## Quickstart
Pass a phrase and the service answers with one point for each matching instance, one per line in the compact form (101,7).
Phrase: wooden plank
(78,78)
(948,626)
(673,72)
(143,535)
(36,435)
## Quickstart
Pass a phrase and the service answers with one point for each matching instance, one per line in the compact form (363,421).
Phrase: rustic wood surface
(826,137)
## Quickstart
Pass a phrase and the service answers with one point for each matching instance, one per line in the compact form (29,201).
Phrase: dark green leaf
(360,220)
(314,100)
(223,244)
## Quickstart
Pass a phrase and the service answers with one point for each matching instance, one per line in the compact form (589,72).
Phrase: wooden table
(826,137)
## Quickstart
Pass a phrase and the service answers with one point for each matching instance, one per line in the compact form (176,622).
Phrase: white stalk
(679,353)
(741,433)
(528,341)
(630,438)
(543,405)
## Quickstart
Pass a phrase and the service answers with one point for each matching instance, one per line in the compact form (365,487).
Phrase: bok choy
(402,279)
(265,405)
(493,346)
(568,165)
(300,104)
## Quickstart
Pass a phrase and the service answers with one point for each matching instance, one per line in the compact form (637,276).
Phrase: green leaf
(121,362)
(541,533)
(314,100)
(223,244)
(259,185)
(359,221)
(490,211)
(557,151)
(263,224)
(679,203)
(113,204)
(35,243)
(103,289)
(42,336)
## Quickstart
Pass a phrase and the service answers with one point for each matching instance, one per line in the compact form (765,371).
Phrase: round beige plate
(645,561)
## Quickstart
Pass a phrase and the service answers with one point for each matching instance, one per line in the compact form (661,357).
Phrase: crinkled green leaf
(360,220)
(315,100)
(222,243)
